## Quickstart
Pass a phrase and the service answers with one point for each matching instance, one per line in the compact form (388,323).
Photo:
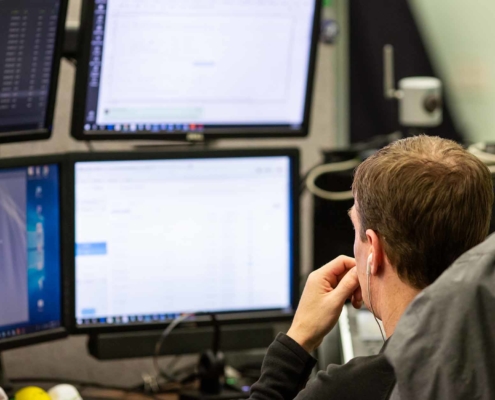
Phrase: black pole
(216,335)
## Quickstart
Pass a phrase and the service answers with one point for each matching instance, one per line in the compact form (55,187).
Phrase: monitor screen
(161,237)
(30,261)
(30,41)
(216,67)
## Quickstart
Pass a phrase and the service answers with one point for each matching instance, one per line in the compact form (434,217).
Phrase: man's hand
(322,301)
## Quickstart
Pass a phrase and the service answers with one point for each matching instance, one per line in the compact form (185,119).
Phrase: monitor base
(225,394)
(189,340)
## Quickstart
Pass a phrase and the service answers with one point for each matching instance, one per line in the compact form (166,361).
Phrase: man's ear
(377,251)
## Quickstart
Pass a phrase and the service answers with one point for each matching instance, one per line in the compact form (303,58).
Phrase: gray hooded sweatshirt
(444,345)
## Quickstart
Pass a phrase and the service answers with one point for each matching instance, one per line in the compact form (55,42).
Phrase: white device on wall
(420,97)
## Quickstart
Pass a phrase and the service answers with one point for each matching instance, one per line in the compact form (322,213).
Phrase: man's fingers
(337,268)
(346,287)
(358,294)
(356,302)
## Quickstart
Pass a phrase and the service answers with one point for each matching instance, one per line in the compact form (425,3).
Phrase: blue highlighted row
(91,249)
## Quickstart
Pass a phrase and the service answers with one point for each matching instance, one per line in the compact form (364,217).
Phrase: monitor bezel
(59,332)
(204,320)
(46,132)
(233,132)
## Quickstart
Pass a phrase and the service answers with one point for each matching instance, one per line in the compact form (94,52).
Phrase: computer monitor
(160,235)
(31,40)
(30,252)
(197,69)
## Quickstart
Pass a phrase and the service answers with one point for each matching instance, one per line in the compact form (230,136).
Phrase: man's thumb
(346,287)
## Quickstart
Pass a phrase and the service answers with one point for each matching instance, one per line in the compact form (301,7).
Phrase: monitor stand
(5,384)
(211,371)
(211,374)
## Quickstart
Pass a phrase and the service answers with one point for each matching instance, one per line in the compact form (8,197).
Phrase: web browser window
(157,238)
(173,65)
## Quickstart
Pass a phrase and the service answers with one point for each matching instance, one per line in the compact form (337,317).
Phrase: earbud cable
(371,306)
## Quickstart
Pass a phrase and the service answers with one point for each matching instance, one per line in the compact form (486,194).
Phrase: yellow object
(32,393)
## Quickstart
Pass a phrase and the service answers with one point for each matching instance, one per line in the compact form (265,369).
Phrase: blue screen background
(42,210)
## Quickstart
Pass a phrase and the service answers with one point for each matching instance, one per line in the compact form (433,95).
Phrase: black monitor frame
(60,332)
(230,132)
(46,132)
(201,320)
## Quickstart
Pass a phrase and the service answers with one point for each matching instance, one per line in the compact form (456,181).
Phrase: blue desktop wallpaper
(43,252)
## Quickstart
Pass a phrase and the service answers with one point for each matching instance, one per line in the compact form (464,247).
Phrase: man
(419,204)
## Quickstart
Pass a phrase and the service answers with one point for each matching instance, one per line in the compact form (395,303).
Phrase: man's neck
(399,296)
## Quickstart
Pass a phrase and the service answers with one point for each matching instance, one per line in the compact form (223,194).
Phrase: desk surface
(107,394)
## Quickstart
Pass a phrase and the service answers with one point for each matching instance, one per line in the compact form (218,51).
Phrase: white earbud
(368,264)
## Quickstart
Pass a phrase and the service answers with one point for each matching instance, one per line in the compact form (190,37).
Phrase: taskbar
(144,128)
(8,333)
(132,319)
(183,128)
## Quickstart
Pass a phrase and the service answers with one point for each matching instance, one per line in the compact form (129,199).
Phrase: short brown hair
(428,199)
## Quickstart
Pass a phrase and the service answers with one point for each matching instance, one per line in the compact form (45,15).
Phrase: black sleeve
(370,378)
(287,367)
(285,371)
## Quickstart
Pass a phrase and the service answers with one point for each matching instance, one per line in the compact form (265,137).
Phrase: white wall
(459,36)
(69,358)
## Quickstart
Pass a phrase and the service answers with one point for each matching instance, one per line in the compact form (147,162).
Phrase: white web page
(157,237)
(205,61)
